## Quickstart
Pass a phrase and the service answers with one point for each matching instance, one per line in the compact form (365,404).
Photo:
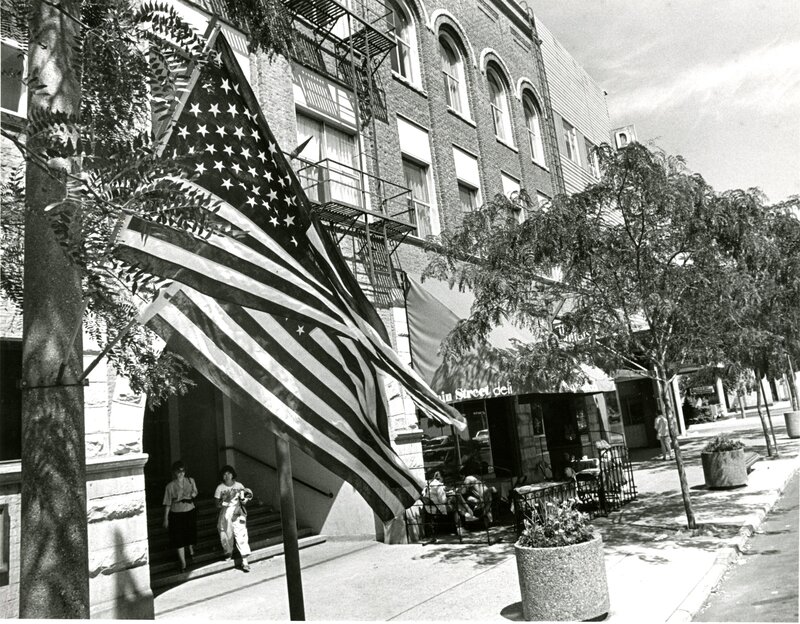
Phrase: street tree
(624,273)
(101,75)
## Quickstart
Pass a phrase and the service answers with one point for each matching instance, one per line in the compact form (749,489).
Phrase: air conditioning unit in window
(624,136)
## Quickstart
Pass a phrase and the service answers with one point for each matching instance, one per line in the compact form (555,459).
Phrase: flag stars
(245,152)
(252,201)
(300,330)
(255,134)
(233,110)
(226,86)
(195,109)
(214,110)
(262,156)
(183,132)
(272,148)
(274,220)
(256,190)
(289,220)
(238,132)
(210,148)
(218,165)
(235,166)
(200,168)
(294,242)
(272,195)
(220,131)
(228,150)
(227,183)
(202,130)
(250,115)
(252,171)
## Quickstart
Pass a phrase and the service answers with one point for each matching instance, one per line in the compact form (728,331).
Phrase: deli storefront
(514,431)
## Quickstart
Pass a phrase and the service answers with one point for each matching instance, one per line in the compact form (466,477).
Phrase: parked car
(482,437)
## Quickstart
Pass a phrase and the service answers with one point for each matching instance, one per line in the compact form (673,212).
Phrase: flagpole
(291,551)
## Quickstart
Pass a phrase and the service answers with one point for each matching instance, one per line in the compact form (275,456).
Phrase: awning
(433,310)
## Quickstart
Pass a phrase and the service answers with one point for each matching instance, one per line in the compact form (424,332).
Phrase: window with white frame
(13,93)
(403,56)
(511,188)
(571,142)
(592,159)
(533,126)
(417,178)
(498,101)
(330,171)
(543,200)
(468,179)
(455,85)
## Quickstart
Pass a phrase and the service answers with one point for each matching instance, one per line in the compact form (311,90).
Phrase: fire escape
(346,41)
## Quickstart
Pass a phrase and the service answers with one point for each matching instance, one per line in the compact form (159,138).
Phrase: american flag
(275,271)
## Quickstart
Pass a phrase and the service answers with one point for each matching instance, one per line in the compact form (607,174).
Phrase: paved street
(763,585)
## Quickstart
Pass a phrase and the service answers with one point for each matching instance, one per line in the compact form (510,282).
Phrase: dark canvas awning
(433,310)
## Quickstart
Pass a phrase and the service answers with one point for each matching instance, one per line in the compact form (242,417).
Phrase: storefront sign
(484,392)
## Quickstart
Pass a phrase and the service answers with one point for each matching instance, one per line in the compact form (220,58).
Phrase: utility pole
(54,577)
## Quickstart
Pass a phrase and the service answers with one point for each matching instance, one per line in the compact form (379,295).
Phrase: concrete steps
(265,537)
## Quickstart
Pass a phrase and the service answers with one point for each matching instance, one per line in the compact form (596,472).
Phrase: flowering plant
(557,525)
(723,443)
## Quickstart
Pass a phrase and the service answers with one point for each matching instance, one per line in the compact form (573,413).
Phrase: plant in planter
(562,572)
(724,463)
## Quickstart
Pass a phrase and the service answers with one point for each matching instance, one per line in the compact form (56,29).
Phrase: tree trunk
(760,394)
(676,448)
(54,576)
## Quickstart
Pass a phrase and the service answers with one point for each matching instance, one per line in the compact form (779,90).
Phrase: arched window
(498,100)
(403,56)
(533,125)
(455,85)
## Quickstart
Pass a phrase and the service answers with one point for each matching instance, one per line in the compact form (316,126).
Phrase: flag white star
(272,148)
(226,86)
(245,152)
(268,176)
(256,190)
(214,110)
(195,109)
(250,116)
(283,181)
(274,220)
(252,171)
(294,242)
(202,130)
(200,168)
(239,133)
(252,201)
(235,166)
(236,87)
(254,133)
(218,58)
(289,220)
(232,109)
(272,195)
(183,132)
(300,330)
(218,165)
(228,150)
(210,148)
(262,156)
(227,183)
(220,131)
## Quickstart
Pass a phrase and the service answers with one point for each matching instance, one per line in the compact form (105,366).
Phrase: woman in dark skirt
(180,515)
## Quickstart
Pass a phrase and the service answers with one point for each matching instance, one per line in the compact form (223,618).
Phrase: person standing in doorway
(231,497)
(662,431)
(180,514)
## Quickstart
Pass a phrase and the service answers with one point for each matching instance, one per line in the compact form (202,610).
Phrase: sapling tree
(625,273)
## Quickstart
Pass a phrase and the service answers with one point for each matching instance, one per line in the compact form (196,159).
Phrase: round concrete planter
(563,583)
(792,424)
(724,469)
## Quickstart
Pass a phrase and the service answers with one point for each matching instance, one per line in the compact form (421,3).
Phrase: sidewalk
(658,571)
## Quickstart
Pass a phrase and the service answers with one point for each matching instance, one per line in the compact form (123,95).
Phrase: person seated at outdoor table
(436,493)
(478,497)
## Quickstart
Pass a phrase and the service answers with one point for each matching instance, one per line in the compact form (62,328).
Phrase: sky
(715,81)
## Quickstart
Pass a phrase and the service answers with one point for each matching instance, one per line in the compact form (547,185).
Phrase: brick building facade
(461,111)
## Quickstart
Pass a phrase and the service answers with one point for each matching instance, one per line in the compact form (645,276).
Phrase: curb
(692,604)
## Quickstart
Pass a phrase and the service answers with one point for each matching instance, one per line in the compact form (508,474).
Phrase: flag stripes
(237,360)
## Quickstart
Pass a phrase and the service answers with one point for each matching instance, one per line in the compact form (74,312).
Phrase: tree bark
(676,448)
(759,395)
(54,577)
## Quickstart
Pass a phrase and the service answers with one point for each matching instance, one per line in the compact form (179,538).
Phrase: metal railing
(328,181)
(529,501)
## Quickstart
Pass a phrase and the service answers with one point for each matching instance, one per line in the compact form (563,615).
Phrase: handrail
(270,466)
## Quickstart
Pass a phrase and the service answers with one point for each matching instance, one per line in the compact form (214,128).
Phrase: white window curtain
(534,127)
(498,101)
(453,74)
(402,55)
(416,178)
